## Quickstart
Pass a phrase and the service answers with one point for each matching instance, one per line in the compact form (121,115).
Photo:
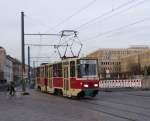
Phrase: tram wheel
(55,92)
(58,92)
(80,95)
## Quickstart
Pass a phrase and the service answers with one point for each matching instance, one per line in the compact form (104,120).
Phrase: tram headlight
(86,85)
(95,85)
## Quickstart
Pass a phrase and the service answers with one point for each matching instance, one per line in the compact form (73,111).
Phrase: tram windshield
(87,68)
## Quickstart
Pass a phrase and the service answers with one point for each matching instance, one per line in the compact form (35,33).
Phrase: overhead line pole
(23,52)
(29,70)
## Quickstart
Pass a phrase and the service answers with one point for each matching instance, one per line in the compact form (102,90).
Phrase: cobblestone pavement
(107,106)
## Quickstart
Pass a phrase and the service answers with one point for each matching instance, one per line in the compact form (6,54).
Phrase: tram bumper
(88,93)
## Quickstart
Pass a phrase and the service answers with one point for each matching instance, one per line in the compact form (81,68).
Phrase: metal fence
(133,83)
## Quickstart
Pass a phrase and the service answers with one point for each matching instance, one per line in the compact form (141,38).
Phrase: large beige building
(110,59)
(136,64)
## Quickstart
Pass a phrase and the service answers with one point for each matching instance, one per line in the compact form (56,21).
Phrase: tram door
(66,80)
(50,77)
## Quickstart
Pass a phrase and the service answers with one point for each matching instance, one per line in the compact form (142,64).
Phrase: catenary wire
(74,14)
(106,13)
(119,28)
(124,10)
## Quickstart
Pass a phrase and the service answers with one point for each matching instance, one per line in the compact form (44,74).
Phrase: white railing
(135,83)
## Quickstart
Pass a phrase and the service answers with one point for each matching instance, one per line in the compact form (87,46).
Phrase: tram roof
(64,60)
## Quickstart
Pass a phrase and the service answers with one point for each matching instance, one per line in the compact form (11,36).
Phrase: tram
(71,77)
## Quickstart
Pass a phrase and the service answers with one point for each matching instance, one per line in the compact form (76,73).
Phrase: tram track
(110,100)
(117,108)
(140,95)
(126,104)
(94,109)
(106,112)
(87,101)
(114,115)
(109,112)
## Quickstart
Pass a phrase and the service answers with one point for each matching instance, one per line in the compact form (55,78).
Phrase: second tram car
(72,77)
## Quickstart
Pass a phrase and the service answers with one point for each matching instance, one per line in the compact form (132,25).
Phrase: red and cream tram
(70,77)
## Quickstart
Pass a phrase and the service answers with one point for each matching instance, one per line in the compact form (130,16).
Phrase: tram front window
(87,68)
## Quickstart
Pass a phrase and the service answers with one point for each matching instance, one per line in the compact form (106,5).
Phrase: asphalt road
(107,106)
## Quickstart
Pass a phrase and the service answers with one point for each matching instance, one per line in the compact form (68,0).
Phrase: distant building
(109,60)
(26,71)
(2,63)
(17,70)
(136,64)
(6,66)
(8,69)
(139,47)
(145,60)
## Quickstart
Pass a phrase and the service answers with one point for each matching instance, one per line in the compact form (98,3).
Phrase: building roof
(2,48)
(139,47)
(132,48)
(14,60)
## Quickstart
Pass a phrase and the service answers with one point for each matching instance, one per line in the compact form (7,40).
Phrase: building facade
(11,68)
(109,60)
(17,70)
(136,64)
(145,61)
(8,69)
(2,63)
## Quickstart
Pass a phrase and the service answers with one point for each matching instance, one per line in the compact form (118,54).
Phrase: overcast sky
(110,23)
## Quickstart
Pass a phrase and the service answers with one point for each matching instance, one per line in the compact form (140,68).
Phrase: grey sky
(43,15)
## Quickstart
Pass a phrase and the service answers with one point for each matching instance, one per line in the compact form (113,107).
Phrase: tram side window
(57,70)
(38,72)
(46,71)
(72,69)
